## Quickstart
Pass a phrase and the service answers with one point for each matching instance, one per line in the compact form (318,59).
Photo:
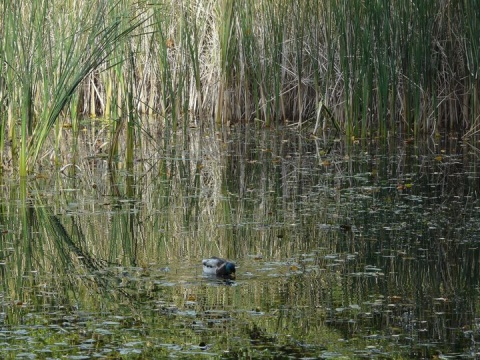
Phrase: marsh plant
(375,67)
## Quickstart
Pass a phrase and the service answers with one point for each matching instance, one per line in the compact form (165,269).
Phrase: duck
(219,267)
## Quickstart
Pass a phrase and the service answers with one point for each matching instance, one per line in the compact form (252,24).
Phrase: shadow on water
(342,249)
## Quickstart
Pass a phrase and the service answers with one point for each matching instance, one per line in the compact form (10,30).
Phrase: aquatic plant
(49,49)
(406,67)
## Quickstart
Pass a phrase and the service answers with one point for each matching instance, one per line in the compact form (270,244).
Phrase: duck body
(219,267)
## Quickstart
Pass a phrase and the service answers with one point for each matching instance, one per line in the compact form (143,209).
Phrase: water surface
(350,249)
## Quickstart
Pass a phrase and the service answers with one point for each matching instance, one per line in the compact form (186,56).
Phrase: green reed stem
(382,67)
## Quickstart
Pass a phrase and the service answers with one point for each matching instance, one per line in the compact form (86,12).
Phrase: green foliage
(50,49)
(382,67)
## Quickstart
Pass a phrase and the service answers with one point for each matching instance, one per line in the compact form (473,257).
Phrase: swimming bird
(220,267)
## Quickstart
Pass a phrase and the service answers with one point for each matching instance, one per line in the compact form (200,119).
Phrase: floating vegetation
(333,262)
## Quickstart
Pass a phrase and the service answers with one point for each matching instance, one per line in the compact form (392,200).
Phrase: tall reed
(48,56)
(378,67)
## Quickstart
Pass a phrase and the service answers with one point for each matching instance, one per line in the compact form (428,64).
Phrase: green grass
(381,68)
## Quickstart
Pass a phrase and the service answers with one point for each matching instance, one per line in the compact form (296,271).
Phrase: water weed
(407,67)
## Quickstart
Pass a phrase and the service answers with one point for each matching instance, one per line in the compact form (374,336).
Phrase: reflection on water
(355,250)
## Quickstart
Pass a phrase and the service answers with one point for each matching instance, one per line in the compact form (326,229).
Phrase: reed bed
(376,67)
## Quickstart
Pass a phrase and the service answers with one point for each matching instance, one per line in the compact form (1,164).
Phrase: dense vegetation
(372,66)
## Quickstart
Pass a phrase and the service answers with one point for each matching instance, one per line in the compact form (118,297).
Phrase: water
(343,249)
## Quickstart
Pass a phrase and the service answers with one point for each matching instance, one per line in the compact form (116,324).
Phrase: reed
(50,56)
(380,68)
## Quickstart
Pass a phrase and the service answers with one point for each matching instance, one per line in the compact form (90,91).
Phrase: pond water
(344,249)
